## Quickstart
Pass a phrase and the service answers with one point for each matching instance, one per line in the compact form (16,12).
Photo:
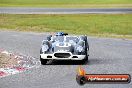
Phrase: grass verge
(67,3)
(117,25)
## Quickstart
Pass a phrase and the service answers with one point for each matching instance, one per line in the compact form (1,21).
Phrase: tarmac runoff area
(107,56)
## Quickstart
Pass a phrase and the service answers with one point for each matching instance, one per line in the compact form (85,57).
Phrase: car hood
(62,46)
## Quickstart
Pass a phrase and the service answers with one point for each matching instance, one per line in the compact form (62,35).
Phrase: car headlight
(45,48)
(80,49)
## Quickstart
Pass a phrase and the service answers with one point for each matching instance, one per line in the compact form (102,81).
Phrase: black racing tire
(85,60)
(43,61)
(86,50)
(41,51)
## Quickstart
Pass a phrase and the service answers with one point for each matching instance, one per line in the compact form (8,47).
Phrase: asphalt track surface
(107,55)
(31,10)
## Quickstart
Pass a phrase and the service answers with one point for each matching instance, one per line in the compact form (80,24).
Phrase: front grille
(62,55)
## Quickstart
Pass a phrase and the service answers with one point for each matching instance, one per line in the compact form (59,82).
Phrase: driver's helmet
(59,33)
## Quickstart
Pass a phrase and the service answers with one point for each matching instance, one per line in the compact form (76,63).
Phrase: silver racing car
(64,47)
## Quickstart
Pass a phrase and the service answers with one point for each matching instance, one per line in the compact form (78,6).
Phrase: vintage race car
(64,47)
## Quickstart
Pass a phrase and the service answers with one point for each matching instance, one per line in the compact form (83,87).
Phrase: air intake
(62,55)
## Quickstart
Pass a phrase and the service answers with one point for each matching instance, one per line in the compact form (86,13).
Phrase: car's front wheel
(43,61)
(85,60)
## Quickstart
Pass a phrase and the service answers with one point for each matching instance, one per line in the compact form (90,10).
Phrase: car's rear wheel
(43,61)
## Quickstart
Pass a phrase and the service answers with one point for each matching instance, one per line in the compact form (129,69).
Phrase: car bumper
(71,57)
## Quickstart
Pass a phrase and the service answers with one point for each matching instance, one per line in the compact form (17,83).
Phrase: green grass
(116,24)
(66,3)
